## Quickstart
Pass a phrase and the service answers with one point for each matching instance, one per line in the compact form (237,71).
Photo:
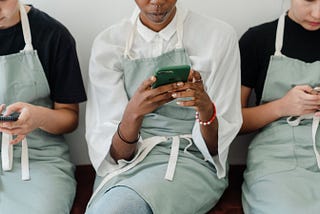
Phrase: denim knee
(120,200)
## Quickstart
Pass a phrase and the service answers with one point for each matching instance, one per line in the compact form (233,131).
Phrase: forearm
(129,130)
(210,136)
(257,117)
(209,132)
(59,120)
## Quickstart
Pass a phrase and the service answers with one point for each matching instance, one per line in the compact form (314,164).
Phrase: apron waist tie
(147,146)
(7,156)
(315,125)
(174,153)
(295,121)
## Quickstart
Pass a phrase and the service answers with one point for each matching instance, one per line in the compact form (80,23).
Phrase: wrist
(204,119)
(133,119)
(126,139)
(129,128)
(41,117)
(132,116)
(278,108)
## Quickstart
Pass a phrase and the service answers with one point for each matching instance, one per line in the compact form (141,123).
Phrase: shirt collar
(166,33)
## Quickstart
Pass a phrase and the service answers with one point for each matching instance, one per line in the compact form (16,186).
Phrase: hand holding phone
(12,117)
(171,74)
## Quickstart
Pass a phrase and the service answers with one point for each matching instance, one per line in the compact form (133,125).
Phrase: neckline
(18,26)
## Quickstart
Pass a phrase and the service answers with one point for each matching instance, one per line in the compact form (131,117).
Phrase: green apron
(188,186)
(282,174)
(51,188)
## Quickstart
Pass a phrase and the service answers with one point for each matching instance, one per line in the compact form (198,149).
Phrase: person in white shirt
(162,150)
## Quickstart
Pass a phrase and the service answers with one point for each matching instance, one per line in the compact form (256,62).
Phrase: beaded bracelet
(206,123)
(124,140)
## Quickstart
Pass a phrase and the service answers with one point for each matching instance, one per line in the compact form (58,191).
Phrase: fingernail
(180,84)
(178,103)
(174,95)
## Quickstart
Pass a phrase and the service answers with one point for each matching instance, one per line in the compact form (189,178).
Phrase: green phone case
(171,74)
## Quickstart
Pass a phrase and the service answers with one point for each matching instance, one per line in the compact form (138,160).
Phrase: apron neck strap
(279,35)
(315,125)
(179,31)
(25,28)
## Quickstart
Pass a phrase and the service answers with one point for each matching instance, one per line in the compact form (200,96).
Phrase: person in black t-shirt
(281,63)
(40,79)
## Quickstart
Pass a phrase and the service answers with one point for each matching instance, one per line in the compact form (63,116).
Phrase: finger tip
(180,84)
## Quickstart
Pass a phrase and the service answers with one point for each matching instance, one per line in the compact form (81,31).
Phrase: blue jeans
(119,200)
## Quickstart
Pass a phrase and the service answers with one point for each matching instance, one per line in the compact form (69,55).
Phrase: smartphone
(315,90)
(171,74)
(12,117)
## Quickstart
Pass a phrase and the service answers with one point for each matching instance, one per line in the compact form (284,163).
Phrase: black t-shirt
(258,44)
(57,53)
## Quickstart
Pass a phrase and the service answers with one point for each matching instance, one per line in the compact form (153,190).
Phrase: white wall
(85,19)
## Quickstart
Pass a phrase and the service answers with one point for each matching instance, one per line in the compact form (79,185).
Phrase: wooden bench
(230,202)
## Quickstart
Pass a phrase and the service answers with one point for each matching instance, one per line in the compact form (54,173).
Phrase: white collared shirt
(159,41)
(213,49)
